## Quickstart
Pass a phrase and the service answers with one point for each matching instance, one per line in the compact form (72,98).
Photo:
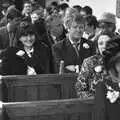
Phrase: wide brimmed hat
(107,17)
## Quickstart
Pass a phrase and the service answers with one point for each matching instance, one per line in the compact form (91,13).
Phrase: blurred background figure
(56,29)
(77,7)
(7,32)
(85,11)
(27,9)
(107,22)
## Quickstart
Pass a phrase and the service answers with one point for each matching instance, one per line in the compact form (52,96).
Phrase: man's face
(76,31)
(88,29)
(27,7)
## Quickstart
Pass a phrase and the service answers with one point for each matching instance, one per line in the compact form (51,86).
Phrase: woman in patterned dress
(91,69)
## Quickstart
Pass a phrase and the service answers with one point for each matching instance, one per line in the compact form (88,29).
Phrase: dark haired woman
(107,97)
(28,56)
(91,68)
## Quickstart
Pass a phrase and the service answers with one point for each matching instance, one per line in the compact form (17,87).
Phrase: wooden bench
(69,109)
(40,87)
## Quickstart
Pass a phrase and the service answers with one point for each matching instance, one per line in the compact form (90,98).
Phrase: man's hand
(73,68)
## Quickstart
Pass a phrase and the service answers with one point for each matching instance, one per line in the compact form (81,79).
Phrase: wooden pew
(40,87)
(69,109)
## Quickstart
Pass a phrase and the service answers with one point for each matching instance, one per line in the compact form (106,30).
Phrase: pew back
(40,87)
(72,109)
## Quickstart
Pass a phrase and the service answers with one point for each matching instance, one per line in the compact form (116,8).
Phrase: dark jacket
(64,50)
(14,64)
(4,37)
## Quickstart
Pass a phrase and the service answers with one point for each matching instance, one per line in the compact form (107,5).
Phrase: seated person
(107,97)
(73,49)
(28,56)
(90,73)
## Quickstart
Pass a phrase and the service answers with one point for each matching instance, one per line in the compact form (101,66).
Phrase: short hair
(26,2)
(69,15)
(87,9)
(54,3)
(78,18)
(63,6)
(77,7)
(91,21)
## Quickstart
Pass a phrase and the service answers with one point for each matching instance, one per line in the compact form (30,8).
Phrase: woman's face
(28,40)
(102,40)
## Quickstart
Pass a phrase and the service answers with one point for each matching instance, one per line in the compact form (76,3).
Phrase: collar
(53,37)
(29,52)
(78,42)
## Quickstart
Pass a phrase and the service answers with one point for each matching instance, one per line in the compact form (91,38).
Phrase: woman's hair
(112,54)
(25,28)
(91,21)
(109,34)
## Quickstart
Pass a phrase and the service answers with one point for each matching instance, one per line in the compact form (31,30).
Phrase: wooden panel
(52,110)
(40,87)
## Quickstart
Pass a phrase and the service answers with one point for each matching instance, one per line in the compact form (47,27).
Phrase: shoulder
(59,44)
(9,52)
(41,45)
(42,49)
(91,59)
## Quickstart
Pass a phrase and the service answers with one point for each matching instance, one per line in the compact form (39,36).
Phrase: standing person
(90,73)
(107,97)
(28,56)
(74,49)
(7,33)
(107,22)
(27,9)
(91,25)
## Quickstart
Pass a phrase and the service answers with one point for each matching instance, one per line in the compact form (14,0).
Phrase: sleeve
(82,84)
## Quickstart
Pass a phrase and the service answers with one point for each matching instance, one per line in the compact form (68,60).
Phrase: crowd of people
(35,41)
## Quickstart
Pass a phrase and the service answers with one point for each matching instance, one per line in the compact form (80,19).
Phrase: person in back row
(28,56)
(74,49)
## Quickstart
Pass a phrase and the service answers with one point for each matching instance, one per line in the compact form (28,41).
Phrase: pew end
(51,109)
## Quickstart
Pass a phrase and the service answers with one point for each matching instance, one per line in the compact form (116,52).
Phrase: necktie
(11,39)
(76,47)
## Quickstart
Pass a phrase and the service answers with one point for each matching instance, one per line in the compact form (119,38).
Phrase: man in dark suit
(74,49)
(7,32)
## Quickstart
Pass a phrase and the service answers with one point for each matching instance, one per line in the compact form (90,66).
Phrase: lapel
(5,36)
(70,50)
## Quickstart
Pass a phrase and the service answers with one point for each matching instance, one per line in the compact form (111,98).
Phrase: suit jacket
(64,50)
(4,37)
(14,64)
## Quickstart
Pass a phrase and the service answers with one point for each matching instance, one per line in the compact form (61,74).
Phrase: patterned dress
(89,76)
